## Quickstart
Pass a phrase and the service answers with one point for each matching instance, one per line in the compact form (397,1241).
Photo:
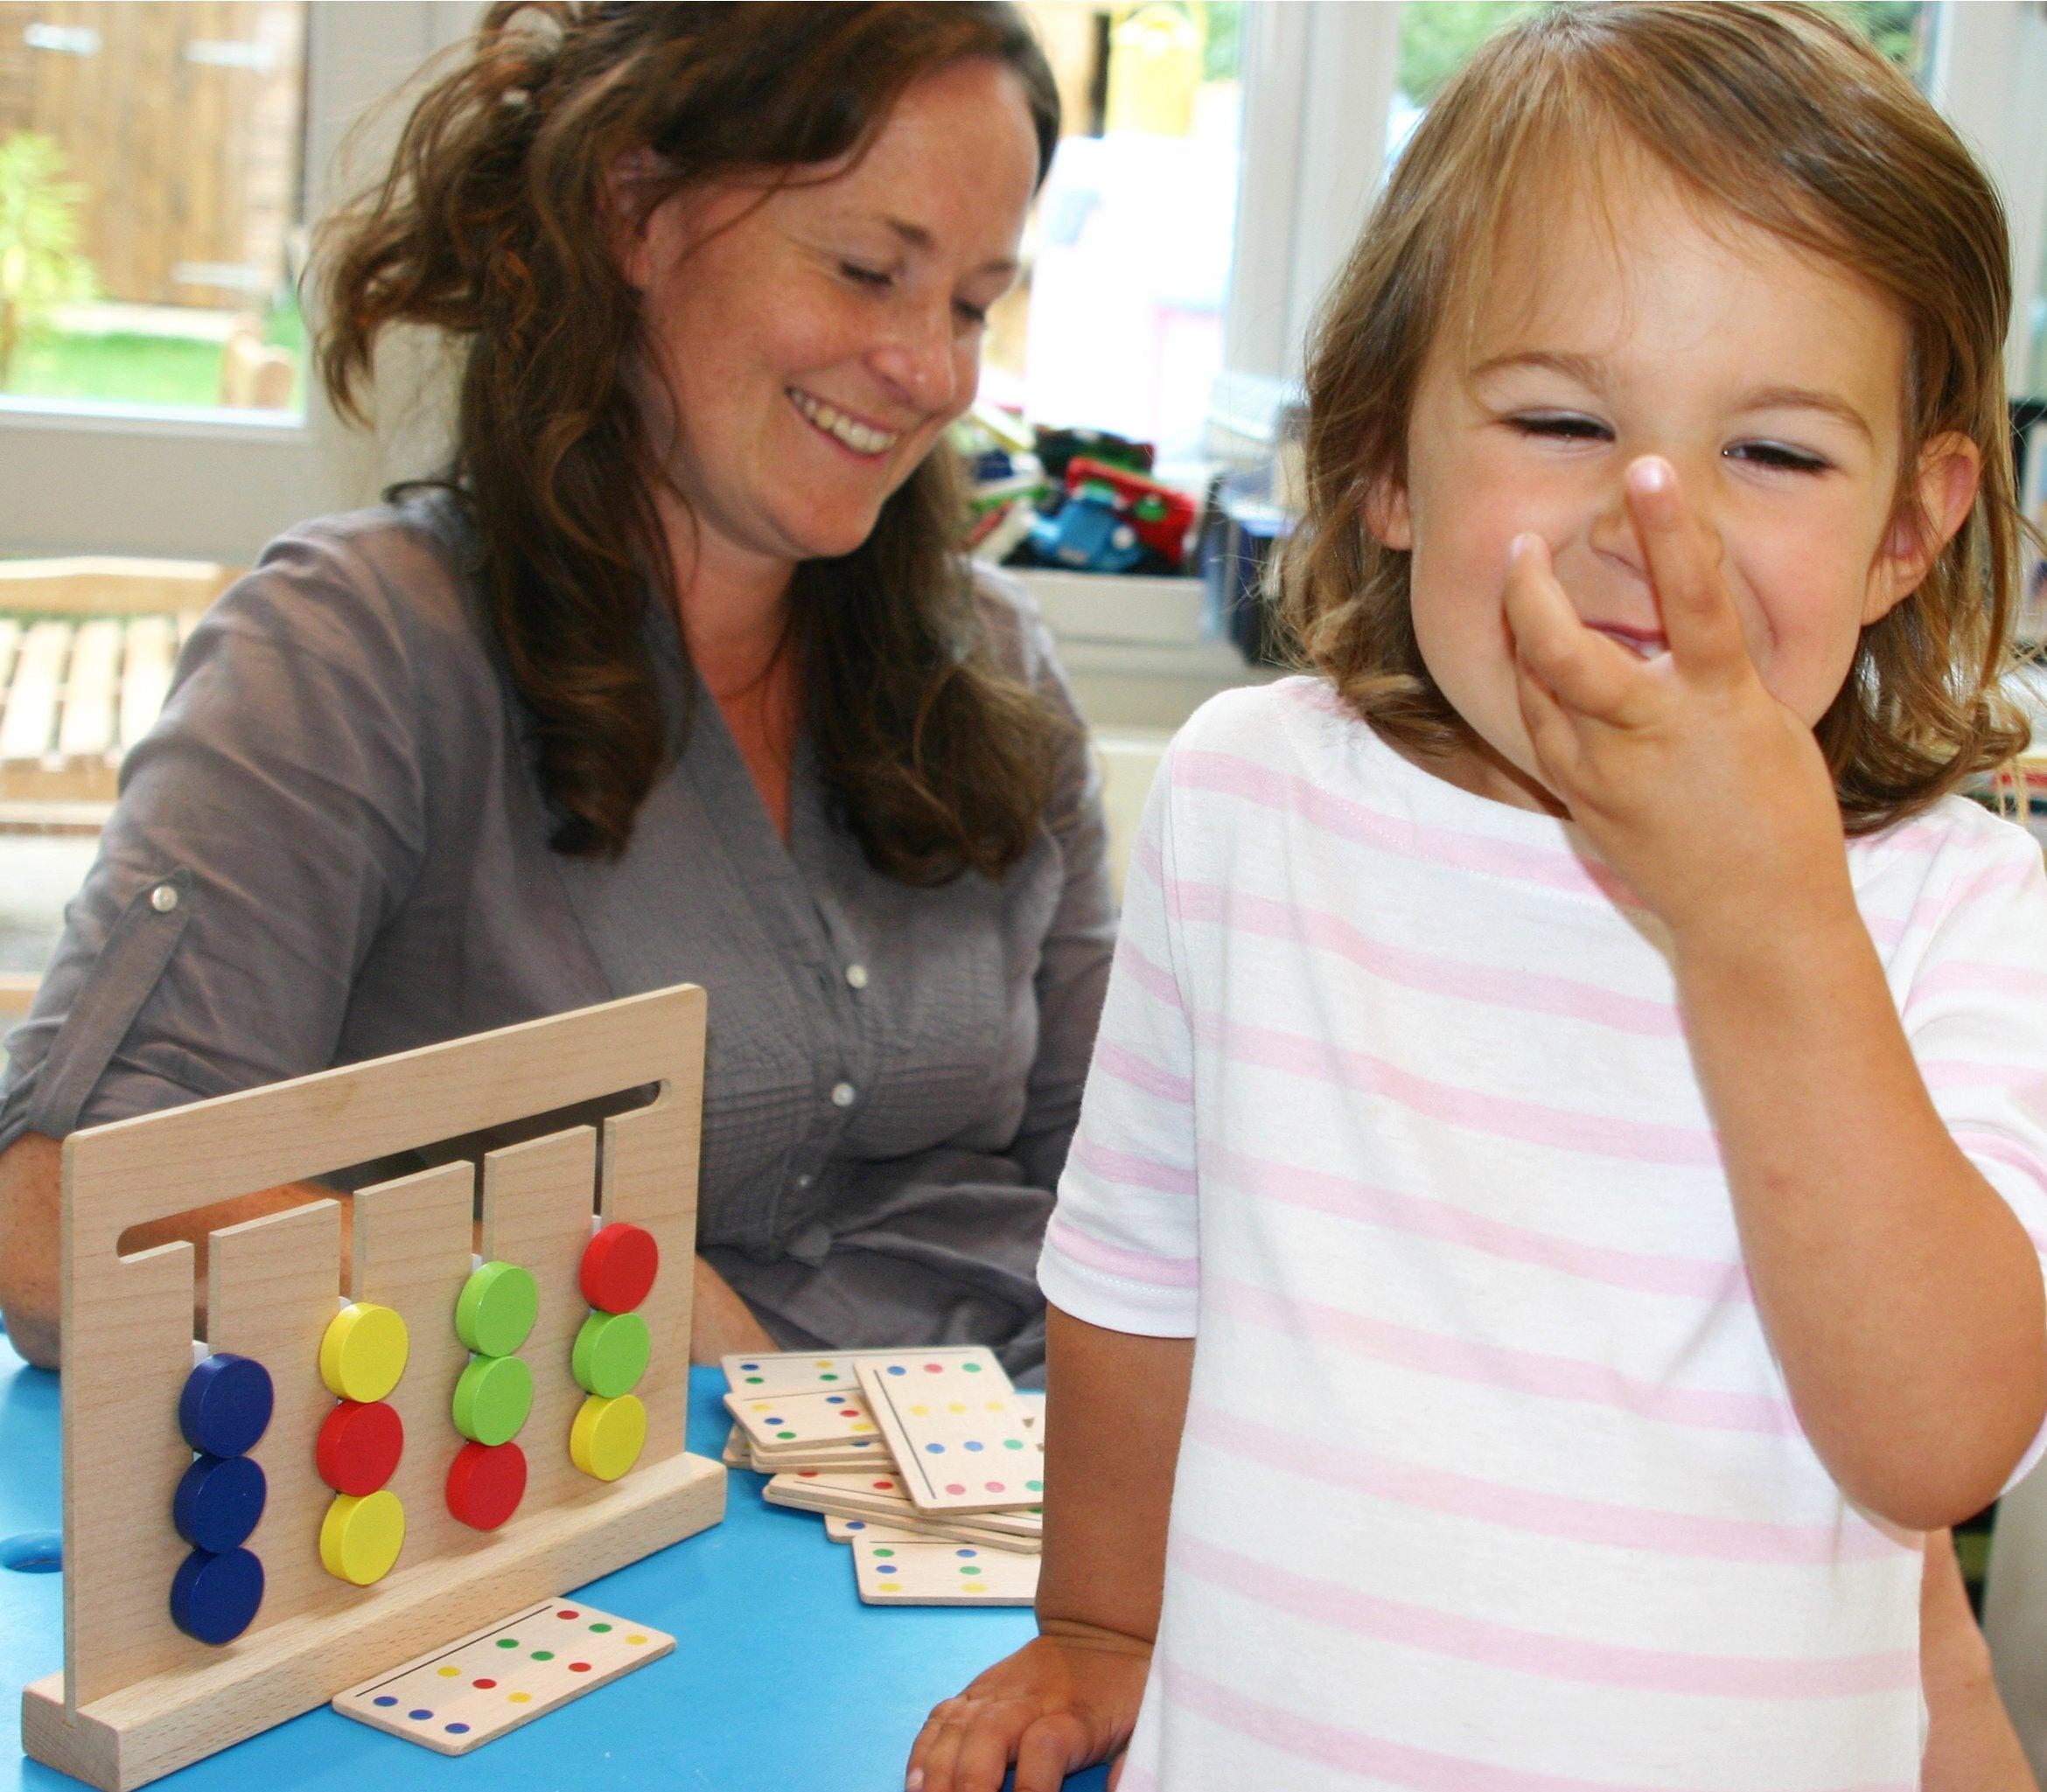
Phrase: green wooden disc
(492,1398)
(611,1354)
(496,1309)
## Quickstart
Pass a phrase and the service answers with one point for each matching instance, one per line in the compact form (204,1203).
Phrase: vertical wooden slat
(413,1240)
(271,1285)
(85,728)
(148,647)
(28,729)
(537,1203)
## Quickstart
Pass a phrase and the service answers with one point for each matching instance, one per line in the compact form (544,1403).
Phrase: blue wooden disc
(218,1503)
(214,1598)
(226,1404)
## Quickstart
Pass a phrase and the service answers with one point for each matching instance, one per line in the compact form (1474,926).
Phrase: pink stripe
(1114,1166)
(1975,1144)
(1110,1259)
(1152,978)
(1972,886)
(1967,1073)
(1971,976)
(1689,1536)
(1641,1141)
(1351,1751)
(1368,1203)
(1535,1652)
(1127,1066)
(1496,1366)
(1494,987)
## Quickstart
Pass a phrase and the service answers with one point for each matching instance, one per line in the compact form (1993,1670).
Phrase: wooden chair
(86,652)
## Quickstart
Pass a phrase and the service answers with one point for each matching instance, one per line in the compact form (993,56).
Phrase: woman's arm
(1115,1406)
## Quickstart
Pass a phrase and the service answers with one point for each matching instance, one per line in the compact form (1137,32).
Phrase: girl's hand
(1064,1701)
(1710,797)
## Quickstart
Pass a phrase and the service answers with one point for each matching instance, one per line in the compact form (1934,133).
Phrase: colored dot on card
(1034,1487)
(935,1369)
(776,1418)
(974,1443)
(750,1365)
(784,1433)
(863,1426)
(885,1552)
(970,1571)
(806,1474)
(459,1729)
(969,1554)
(835,1399)
(897,1369)
(957,1406)
(971,1368)
(508,1642)
(857,1525)
(885,1486)
(387,1699)
(421,1716)
(483,1685)
(920,1411)
(997,1487)
(828,1378)
(566,1613)
(636,1641)
(579,1667)
(1011,1443)
(449,1673)
(754,1381)
(520,1698)
(600,1628)
(954,1487)
(885,1569)
(543,1654)
(936,1449)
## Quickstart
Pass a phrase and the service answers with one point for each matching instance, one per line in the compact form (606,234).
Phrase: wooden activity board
(138,1697)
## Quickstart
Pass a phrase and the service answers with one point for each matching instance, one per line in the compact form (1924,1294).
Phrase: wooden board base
(170,1721)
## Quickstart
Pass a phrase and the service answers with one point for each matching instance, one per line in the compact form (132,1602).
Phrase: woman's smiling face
(1774,386)
(813,341)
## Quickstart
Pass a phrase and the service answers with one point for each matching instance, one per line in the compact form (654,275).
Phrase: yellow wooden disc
(608,1435)
(363,1352)
(360,1539)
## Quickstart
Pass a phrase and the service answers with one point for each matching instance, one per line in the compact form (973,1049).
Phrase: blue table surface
(780,1679)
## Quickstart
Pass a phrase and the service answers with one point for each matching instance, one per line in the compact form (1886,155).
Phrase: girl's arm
(1116,1403)
(1900,1293)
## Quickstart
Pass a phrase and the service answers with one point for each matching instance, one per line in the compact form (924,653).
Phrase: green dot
(754,1381)
(543,1654)
(885,1552)
(970,1571)
(971,1368)
(784,1433)
(600,1627)
(1011,1443)
(828,1378)
(508,1642)
(1034,1487)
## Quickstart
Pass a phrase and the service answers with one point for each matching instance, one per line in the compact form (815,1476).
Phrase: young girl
(1551,1208)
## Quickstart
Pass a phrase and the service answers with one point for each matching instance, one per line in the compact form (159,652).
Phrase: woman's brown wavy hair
(1775,115)
(488,227)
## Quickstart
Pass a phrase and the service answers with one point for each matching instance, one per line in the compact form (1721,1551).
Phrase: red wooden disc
(619,1267)
(485,1483)
(359,1447)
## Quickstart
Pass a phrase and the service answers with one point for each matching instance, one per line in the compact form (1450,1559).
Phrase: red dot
(485,1483)
(619,1268)
(806,1474)
(579,1667)
(484,1685)
(885,1486)
(359,1447)
(935,1369)
(568,1614)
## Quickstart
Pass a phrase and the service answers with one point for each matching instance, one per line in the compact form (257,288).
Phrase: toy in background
(238,1546)
(2020,791)
(1245,523)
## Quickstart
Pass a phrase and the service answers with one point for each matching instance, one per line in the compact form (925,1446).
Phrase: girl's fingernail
(913,1780)
(1520,544)
(1649,474)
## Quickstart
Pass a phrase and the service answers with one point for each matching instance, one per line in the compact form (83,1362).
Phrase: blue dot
(974,1443)
(750,1366)
(969,1554)
(885,1569)
(835,1399)
(773,1420)
(936,1449)
(898,1369)
(419,1714)
(387,1699)
(459,1729)
(857,1525)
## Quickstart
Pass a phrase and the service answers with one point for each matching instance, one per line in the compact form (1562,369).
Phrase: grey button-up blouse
(331,847)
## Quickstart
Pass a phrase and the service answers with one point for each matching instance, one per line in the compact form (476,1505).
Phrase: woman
(673,676)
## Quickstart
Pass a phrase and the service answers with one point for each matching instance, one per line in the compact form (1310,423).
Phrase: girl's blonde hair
(1780,117)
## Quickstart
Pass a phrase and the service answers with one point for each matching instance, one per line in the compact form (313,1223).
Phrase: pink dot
(954,1487)
(935,1369)
(994,1487)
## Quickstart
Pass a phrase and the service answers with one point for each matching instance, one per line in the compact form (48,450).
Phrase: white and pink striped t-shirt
(1490,1482)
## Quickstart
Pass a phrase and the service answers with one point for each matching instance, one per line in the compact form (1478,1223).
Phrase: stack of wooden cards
(928,1462)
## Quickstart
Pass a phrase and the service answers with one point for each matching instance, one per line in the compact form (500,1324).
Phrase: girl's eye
(1788,460)
(972,316)
(1566,428)
(866,276)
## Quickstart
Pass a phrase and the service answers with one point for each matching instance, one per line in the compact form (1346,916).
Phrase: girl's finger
(1586,672)
(1052,1748)
(1700,621)
(1551,731)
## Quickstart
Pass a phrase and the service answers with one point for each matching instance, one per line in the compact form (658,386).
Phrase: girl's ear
(1951,466)
(1388,516)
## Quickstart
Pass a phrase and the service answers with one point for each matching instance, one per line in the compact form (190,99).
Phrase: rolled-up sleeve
(266,829)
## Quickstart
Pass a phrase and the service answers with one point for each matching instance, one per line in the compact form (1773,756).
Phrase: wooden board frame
(137,1698)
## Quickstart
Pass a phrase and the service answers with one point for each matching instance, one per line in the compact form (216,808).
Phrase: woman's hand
(720,1322)
(1709,797)
(1064,1701)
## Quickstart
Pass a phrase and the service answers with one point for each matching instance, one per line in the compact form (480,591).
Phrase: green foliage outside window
(40,265)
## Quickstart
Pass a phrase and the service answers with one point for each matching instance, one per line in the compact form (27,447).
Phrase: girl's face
(813,343)
(1772,383)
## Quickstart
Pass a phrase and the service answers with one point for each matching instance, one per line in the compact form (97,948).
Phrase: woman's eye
(1768,454)
(1567,428)
(866,276)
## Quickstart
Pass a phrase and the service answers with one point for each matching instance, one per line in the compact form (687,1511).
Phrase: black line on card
(908,1442)
(417,1663)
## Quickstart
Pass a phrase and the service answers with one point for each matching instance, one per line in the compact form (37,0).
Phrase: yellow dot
(608,1435)
(824,1362)
(362,1353)
(361,1538)
(450,1673)
(920,1411)
(636,1641)
(957,1406)
(520,1698)
(995,1405)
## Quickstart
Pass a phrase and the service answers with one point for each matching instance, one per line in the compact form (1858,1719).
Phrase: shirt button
(164,898)
(805,1180)
(843,1094)
(856,975)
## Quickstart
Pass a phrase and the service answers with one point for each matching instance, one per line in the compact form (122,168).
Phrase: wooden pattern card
(942,1574)
(956,1428)
(882,1497)
(468,1693)
(795,1371)
(842,1528)
(784,1425)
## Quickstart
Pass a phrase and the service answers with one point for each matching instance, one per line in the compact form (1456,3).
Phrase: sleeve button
(856,975)
(164,898)
(843,1094)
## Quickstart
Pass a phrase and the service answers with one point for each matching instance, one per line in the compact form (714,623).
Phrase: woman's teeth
(836,424)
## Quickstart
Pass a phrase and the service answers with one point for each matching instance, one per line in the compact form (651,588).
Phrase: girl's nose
(1614,536)
(918,358)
